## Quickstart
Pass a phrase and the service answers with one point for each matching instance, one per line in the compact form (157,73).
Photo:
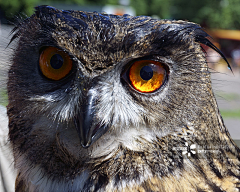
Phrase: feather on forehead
(110,37)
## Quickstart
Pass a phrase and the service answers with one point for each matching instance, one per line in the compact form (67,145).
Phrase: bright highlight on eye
(147,75)
(54,63)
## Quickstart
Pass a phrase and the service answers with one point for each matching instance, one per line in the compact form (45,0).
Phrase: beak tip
(86,144)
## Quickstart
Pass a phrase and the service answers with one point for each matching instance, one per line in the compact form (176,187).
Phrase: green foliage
(14,7)
(160,8)
(221,14)
(3,97)
(140,6)
(230,113)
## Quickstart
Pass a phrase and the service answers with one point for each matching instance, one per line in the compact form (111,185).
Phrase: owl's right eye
(54,63)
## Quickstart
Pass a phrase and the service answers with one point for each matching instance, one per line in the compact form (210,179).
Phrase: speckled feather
(137,152)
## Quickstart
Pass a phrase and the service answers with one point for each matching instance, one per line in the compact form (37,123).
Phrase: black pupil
(56,61)
(146,73)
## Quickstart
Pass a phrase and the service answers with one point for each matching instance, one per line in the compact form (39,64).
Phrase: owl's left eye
(54,63)
(147,76)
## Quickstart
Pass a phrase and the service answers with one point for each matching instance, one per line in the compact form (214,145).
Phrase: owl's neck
(127,160)
(140,163)
(129,171)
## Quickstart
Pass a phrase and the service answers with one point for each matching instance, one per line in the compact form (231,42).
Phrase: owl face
(82,84)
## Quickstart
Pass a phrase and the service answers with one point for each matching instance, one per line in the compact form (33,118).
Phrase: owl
(102,102)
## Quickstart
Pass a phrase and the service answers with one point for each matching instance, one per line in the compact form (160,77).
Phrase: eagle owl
(101,102)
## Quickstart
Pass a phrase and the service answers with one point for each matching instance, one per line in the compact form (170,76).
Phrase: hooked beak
(89,128)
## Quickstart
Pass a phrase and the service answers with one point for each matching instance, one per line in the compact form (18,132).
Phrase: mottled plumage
(92,131)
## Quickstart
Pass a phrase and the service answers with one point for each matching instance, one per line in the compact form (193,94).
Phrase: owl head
(81,85)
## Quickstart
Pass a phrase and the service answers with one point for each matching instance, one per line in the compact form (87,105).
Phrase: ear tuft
(202,37)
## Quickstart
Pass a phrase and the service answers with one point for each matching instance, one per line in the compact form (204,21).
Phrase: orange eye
(55,63)
(147,76)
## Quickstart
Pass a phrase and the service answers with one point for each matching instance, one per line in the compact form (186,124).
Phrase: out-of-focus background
(220,18)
